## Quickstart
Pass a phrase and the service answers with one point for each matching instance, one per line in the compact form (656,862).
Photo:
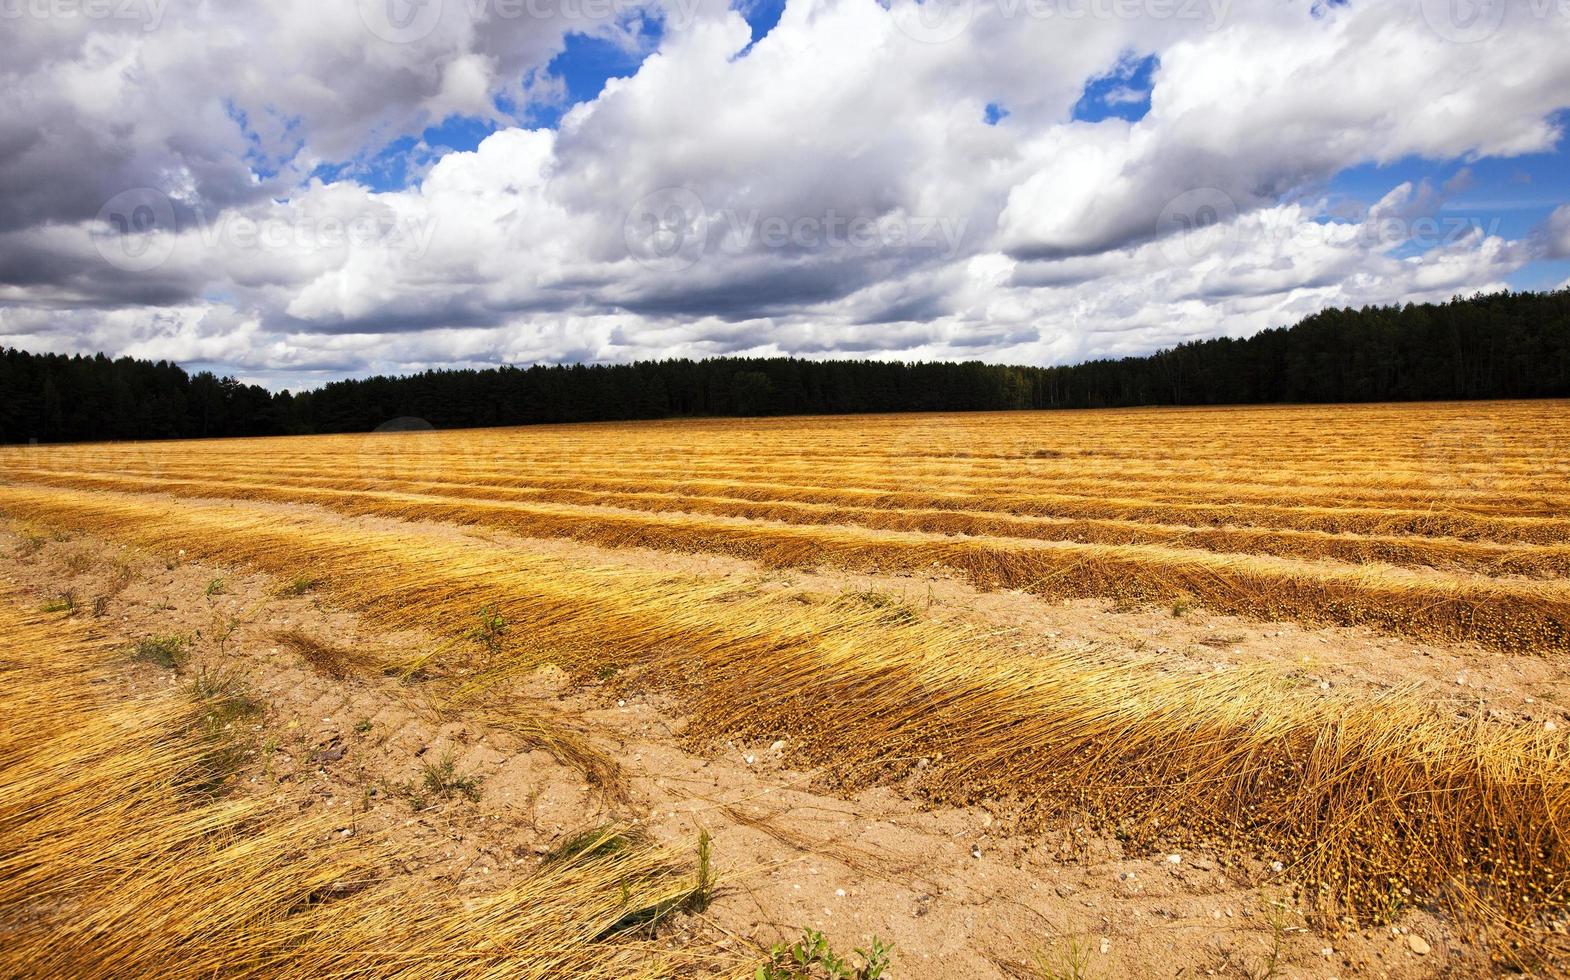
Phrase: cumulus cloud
(834,189)
(1554,236)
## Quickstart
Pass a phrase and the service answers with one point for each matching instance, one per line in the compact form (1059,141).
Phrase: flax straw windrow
(1477,557)
(1373,802)
(1439,522)
(1507,614)
(116,862)
(1434,518)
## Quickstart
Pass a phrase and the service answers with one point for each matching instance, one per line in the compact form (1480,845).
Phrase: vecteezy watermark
(668,229)
(933,21)
(1437,231)
(1205,222)
(148,14)
(1464,21)
(400,21)
(407,21)
(671,229)
(745,231)
(1198,222)
(1462,453)
(939,21)
(135,230)
(138,230)
(400,449)
(1471,21)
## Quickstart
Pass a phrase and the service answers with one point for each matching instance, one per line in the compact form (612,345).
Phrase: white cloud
(850,196)
(1556,233)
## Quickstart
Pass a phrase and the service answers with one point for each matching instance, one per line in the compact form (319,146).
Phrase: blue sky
(1509,197)
(1123,93)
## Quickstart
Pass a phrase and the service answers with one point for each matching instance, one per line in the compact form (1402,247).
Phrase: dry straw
(116,860)
(1508,614)
(1374,802)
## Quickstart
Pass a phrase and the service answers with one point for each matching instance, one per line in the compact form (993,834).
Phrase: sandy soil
(958,896)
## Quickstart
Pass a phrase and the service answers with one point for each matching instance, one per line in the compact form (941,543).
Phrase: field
(1315,655)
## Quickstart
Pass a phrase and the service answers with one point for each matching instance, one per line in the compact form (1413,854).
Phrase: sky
(299,190)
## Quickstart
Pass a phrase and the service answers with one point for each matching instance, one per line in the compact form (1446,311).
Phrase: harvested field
(686,561)
(122,858)
(1440,522)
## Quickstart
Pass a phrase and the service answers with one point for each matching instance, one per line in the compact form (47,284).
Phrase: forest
(1500,345)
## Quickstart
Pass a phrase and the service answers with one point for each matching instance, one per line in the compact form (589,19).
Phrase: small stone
(975,851)
(1106,945)
(1174,859)
(1418,943)
(1277,867)
(777,745)
(748,759)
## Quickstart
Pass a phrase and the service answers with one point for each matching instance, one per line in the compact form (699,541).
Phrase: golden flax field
(1441,525)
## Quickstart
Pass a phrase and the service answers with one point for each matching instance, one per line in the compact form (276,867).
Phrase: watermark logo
(940,21)
(135,230)
(1464,21)
(933,21)
(1205,223)
(1461,453)
(400,21)
(401,450)
(833,230)
(1197,223)
(931,451)
(408,21)
(148,13)
(671,229)
(667,230)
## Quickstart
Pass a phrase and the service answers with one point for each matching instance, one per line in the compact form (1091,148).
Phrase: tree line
(1502,345)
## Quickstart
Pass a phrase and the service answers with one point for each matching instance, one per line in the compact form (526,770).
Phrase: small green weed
(166,651)
(223,707)
(490,631)
(65,602)
(440,780)
(890,608)
(300,585)
(1069,961)
(812,958)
